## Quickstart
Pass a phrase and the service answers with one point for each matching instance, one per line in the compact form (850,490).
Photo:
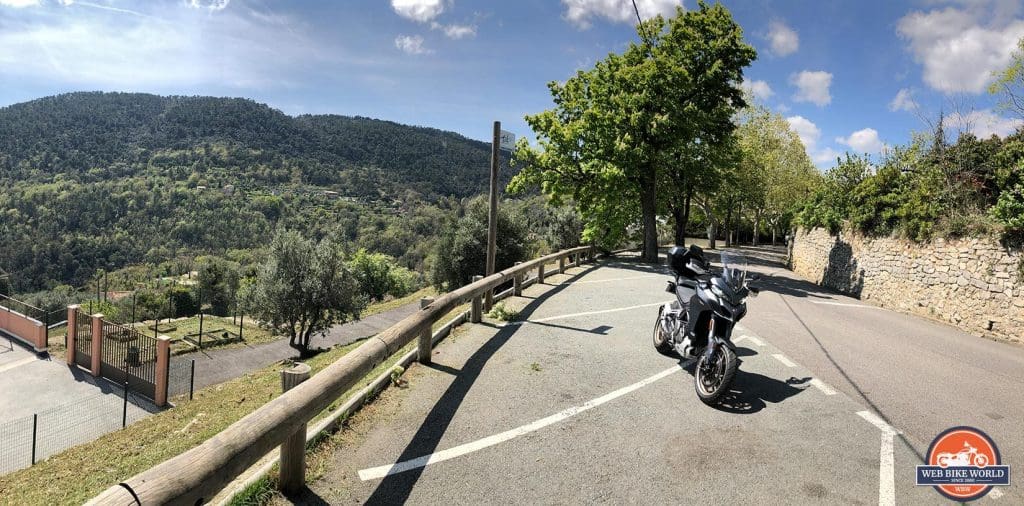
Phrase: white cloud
(982,123)
(183,47)
(782,38)
(864,141)
(809,134)
(807,130)
(903,101)
(759,89)
(582,12)
(19,3)
(418,10)
(454,31)
(210,5)
(812,86)
(960,48)
(411,44)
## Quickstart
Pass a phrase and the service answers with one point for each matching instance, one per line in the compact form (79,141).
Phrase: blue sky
(848,75)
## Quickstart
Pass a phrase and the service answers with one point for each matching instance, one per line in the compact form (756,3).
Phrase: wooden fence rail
(198,474)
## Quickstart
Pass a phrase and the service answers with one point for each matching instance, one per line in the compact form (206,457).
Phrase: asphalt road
(833,404)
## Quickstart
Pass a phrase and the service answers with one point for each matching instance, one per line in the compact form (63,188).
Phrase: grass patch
(251,333)
(500,312)
(388,305)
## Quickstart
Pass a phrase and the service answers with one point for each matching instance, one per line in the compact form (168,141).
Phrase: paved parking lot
(573,405)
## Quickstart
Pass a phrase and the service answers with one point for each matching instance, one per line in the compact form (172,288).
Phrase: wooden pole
(293,450)
(492,215)
(426,337)
(476,313)
(517,282)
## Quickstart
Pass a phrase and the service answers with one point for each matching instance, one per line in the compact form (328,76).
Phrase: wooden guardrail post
(576,260)
(72,333)
(97,343)
(517,282)
(540,274)
(476,314)
(427,336)
(561,264)
(293,449)
(163,366)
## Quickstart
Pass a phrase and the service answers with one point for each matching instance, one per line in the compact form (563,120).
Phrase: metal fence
(129,355)
(83,340)
(180,377)
(27,440)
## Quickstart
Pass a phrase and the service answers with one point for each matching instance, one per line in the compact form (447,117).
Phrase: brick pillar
(163,364)
(97,343)
(72,333)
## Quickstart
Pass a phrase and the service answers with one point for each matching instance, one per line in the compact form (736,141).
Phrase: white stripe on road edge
(588,313)
(825,389)
(844,304)
(785,361)
(751,339)
(443,455)
(19,363)
(886,460)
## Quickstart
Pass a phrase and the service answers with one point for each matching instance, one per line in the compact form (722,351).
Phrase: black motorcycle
(699,323)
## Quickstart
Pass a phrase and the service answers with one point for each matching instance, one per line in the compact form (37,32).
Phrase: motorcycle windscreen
(734,270)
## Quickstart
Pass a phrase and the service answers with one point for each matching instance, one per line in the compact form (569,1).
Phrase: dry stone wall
(974,284)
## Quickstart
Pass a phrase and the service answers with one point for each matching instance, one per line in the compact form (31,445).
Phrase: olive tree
(303,289)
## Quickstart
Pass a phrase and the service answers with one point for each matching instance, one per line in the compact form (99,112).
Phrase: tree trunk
(773,235)
(757,226)
(728,227)
(686,213)
(649,211)
(680,226)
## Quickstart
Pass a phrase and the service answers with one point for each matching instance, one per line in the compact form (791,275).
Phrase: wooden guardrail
(198,474)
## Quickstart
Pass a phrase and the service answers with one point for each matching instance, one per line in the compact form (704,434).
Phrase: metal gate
(129,355)
(83,340)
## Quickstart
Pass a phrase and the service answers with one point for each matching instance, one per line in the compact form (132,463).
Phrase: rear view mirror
(753,291)
(754,276)
(671,288)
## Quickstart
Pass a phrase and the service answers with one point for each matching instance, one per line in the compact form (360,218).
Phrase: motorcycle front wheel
(713,377)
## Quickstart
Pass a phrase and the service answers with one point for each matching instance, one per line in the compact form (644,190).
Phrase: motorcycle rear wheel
(713,380)
(662,343)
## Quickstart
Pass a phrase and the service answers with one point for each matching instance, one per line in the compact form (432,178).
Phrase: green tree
(379,276)
(303,289)
(461,251)
(218,283)
(616,125)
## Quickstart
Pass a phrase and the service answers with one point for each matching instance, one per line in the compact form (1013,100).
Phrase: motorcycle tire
(661,340)
(711,390)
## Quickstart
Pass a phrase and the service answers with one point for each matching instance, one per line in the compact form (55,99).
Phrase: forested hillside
(93,181)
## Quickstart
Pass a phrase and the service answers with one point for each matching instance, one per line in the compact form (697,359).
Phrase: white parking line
(588,313)
(17,363)
(886,460)
(821,385)
(751,339)
(785,361)
(845,304)
(612,279)
(443,455)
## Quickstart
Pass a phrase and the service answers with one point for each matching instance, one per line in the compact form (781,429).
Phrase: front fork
(715,341)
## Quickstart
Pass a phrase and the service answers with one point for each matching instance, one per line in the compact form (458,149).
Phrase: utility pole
(492,215)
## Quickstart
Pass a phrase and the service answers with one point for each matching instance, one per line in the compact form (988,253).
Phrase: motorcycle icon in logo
(969,456)
(963,464)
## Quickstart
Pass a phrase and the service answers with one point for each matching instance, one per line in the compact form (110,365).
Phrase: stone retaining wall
(972,283)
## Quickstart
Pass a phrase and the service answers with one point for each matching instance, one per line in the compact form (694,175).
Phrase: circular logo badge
(964,453)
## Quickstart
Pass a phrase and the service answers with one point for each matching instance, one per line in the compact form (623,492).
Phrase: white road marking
(443,455)
(17,363)
(751,339)
(821,385)
(785,361)
(588,313)
(611,279)
(844,304)
(886,460)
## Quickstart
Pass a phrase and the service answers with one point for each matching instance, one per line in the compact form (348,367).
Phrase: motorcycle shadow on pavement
(751,392)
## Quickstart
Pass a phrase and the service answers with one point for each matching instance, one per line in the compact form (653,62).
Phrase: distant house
(331,194)
(200,188)
(229,189)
